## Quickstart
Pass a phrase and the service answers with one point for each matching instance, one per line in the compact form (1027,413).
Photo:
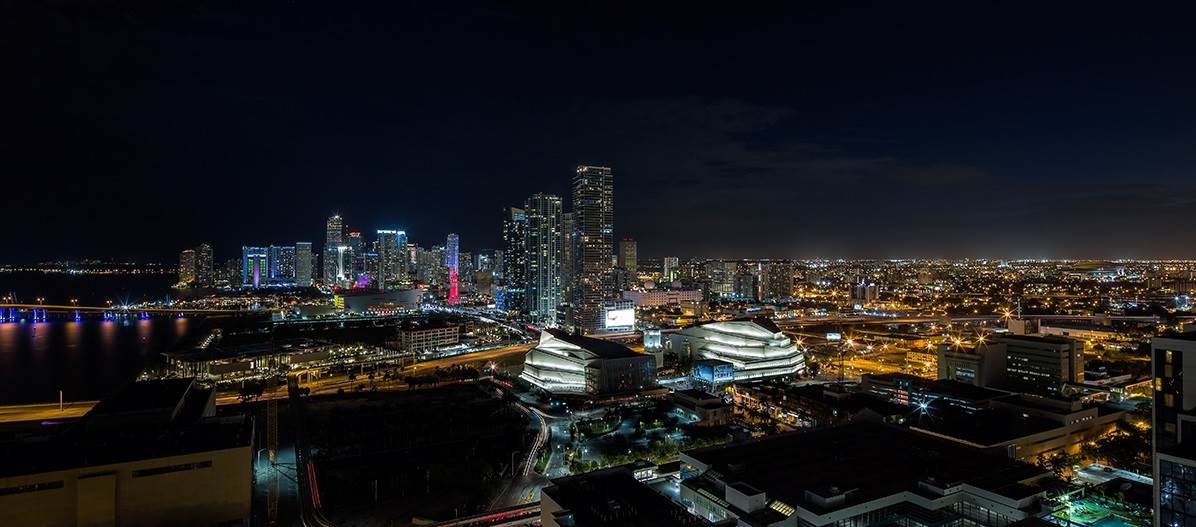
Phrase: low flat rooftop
(612,497)
(873,459)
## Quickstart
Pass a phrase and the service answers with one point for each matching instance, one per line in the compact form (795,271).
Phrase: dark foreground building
(858,475)
(154,454)
(610,498)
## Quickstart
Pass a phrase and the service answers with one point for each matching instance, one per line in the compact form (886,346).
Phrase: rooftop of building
(866,460)
(764,323)
(256,349)
(839,396)
(175,418)
(985,427)
(146,396)
(1176,335)
(613,497)
(1040,339)
(944,387)
(604,349)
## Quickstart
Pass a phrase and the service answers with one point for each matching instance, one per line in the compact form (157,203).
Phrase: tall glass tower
(594,220)
(511,295)
(543,257)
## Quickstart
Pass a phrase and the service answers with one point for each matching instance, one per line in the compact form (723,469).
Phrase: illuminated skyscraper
(205,276)
(334,231)
(594,215)
(333,238)
(543,214)
(512,293)
(282,264)
(392,264)
(187,267)
(303,264)
(452,249)
(255,266)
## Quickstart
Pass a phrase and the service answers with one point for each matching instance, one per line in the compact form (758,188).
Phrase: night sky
(1045,129)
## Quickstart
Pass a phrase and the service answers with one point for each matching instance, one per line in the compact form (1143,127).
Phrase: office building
(452,249)
(662,297)
(778,280)
(282,264)
(865,292)
(1042,364)
(1174,429)
(756,347)
(720,279)
(569,363)
(303,261)
(593,213)
(204,266)
(628,258)
(512,292)
(859,474)
(418,338)
(255,266)
(187,267)
(543,248)
(743,286)
(980,365)
(153,454)
(669,267)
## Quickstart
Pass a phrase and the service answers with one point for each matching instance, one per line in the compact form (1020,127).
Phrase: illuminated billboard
(620,318)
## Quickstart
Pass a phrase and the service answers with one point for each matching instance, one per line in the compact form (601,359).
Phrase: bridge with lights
(43,312)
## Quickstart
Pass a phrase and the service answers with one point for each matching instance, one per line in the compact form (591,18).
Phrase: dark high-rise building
(594,215)
(543,213)
(568,254)
(628,258)
(204,263)
(1174,429)
(512,293)
(778,280)
(303,260)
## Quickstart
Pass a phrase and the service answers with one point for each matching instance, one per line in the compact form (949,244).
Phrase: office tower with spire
(543,212)
(594,216)
(333,239)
